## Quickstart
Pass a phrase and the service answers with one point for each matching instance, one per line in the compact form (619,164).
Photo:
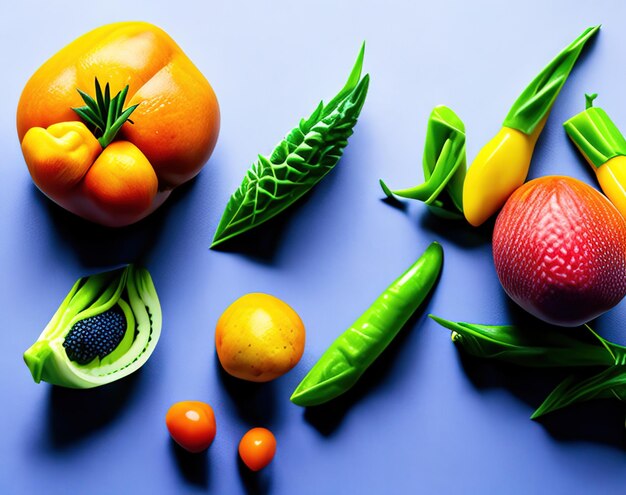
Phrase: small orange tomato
(191,424)
(257,448)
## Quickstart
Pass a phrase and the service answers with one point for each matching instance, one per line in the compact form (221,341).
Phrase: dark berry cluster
(96,336)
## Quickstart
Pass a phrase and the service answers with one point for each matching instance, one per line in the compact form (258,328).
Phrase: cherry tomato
(257,448)
(191,424)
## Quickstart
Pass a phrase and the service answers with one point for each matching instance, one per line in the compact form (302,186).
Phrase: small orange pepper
(120,165)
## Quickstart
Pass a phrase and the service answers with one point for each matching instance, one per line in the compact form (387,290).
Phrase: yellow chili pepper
(604,147)
(502,165)
(63,154)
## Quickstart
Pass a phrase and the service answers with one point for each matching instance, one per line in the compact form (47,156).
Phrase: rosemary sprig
(105,115)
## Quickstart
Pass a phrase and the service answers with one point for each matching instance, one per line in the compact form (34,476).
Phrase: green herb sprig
(105,115)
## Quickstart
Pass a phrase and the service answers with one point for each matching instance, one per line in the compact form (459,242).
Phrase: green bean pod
(357,348)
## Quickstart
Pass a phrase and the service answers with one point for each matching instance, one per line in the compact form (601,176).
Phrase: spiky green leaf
(105,115)
(297,163)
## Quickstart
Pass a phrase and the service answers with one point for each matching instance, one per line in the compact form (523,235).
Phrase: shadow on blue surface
(396,203)
(595,421)
(255,482)
(458,232)
(254,403)
(262,243)
(75,414)
(194,468)
(96,245)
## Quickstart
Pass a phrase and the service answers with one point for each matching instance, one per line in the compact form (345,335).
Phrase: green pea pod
(355,350)
(105,329)
(444,165)
(298,162)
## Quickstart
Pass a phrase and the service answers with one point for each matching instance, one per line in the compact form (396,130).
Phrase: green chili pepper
(444,165)
(355,350)
(298,162)
(550,348)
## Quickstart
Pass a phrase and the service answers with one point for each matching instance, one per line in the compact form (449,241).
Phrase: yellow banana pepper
(604,147)
(502,165)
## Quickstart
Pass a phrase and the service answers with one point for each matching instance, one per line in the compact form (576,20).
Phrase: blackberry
(96,336)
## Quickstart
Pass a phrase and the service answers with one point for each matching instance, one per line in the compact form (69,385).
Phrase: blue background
(424,419)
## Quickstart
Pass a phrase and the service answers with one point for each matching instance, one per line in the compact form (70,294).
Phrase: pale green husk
(132,289)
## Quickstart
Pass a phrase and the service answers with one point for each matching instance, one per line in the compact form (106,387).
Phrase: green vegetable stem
(300,161)
(444,165)
(534,103)
(105,329)
(601,364)
(105,115)
(355,350)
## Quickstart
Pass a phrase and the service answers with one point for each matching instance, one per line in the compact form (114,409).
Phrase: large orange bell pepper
(166,134)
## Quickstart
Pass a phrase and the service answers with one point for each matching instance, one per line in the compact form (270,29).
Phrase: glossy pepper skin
(355,350)
(173,131)
(503,163)
(604,147)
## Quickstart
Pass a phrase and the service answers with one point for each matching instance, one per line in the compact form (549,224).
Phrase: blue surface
(423,419)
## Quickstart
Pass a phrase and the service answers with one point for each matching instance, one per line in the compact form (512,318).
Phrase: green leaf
(444,165)
(534,347)
(550,347)
(353,80)
(595,135)
(104,114)
(535,102)
(91,103)
(607,384)
(298,163)
(88,117)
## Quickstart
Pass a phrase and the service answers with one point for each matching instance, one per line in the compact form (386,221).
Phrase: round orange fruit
(559,248)
(259,338)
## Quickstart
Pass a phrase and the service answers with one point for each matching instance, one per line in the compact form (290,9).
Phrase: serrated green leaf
(353,80)
(300,161)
